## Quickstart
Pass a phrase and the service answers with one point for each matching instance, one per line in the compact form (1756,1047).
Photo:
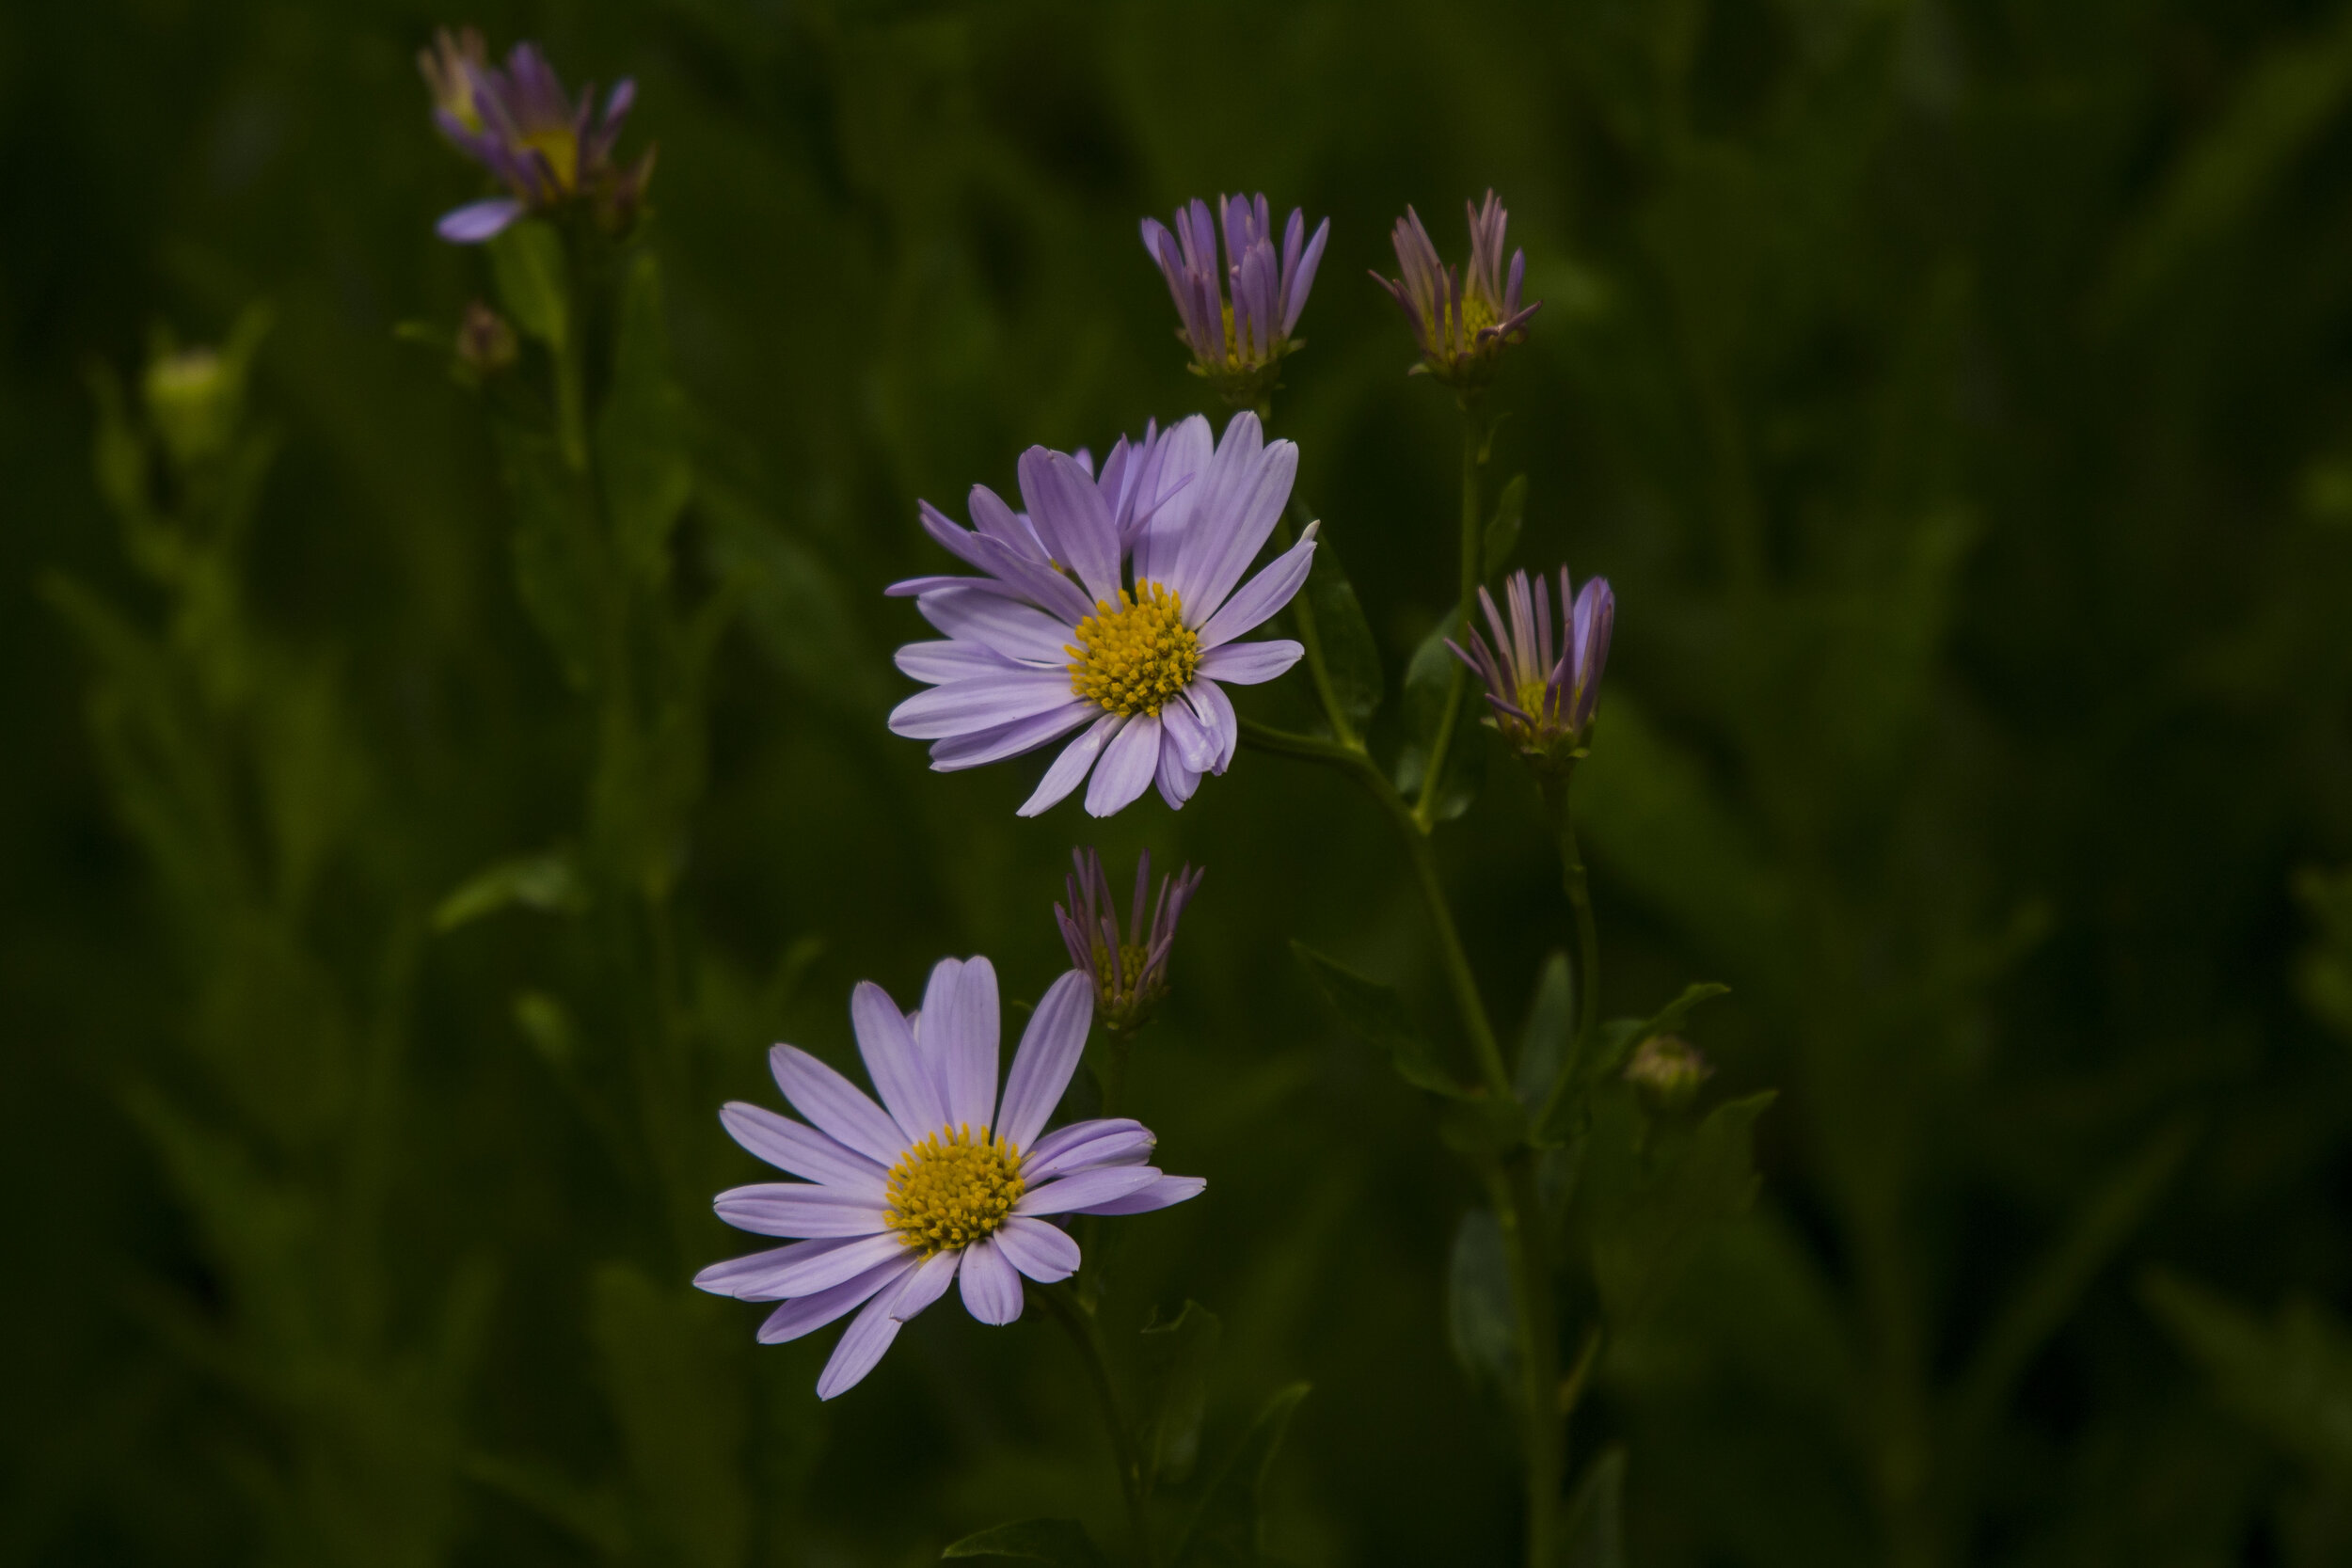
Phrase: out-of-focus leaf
(1055,1543)
(1551,1022)
(2292,1379)
(1427,681)
(671,1367)
(549,882)
(2323,973)
(590,1515)
(546,1024)
(534,280)
(640,434)
(1350,657)
(1228,1528)
(1591,1527)
(1503,528)
(560,563)
(1478,1304)
(1377,1014)
(1651,1193)
(1176,1358)
(1616,1039)
(794,606)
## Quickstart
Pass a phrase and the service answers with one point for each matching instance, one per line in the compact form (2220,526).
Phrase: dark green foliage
(426,801)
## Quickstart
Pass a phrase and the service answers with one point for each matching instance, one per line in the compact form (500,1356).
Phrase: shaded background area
(1959,397)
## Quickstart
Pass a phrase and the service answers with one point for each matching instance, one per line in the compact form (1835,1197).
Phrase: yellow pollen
(562,151)
(1135,657)
(953,1188)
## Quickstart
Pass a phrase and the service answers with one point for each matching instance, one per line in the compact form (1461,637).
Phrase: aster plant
(1113,607)
(1462,319)
(1130,972)
(548,148)
(1237,318)
(944,1180)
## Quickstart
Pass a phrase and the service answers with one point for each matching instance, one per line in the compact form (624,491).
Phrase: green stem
(1473,543)
(1579,888)
(1302,610)
(1513,1187)
(1080,1325)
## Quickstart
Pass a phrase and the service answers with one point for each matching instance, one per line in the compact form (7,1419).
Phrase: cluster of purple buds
(1130,973)
(1237,318)
(1543,703)
(1462,319)
(545,148)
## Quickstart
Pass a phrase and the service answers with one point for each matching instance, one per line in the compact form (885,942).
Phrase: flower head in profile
(1237,318)
(545,148)
(1131,972)
(944,1181)
(1461,320)
(1543,702)
(1113,607)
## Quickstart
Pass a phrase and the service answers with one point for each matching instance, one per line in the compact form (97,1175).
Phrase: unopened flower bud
(486,344)
(1669,1069)
(1130,972)
(192,397)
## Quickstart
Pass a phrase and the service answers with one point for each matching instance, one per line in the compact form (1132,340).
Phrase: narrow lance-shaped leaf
(1478,1304)
(1176,1360)
(1503,528)
(641,432)
(1055,1543)
(535,282)
(1376,1013)
(1350,655)
(1427,681)
(1228,1530)
(1592,1532)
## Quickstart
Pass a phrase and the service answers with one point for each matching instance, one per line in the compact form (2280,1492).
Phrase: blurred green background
(1959,396)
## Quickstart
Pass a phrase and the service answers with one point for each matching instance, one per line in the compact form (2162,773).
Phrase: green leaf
(1592,1530)
(1550,1021)
(546,1024)
(534,280)
(1350,657)
(1059,1542)
(1427,678)
(1503,528)
(795,606)
(549,882)
(1652,1193)
(2291,1380)
(559,562)
(1228,1530)
(1478,1304)
(1176,1359)
(1618,1040)
(592,1515)
(1376,1013)
(641,432)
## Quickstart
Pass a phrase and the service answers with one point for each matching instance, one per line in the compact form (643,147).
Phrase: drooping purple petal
(1010,740)
(1043,1252)
(929,1282)
(799,1209)
(801,1151)
(806,1314)
(1251,663)
(861,1348)
(1127,767)
(1184,734)
(1167,1190)
(908,1092)
(992,1287)
(1071,767)
(1175,781)
(1264,594)
(1085,1189)
(810,1267)
(980,703)
(478,221)
(1215,709)
(835,1105)
(1048,1055)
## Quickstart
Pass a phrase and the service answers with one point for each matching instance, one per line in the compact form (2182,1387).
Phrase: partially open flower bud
(1130,972)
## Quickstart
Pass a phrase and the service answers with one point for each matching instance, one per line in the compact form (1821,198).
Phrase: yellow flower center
(562,151)
(952,1189)
(1133,658)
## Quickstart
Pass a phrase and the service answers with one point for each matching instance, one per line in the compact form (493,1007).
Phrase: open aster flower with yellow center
(943,1181)
(1113,607)
(520,124)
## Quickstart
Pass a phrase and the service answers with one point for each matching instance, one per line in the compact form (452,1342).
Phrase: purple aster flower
(1460,319)
(1543,704)
(1237,345)
(941,1181)
(1109,607)
(518,123)
(1130,975)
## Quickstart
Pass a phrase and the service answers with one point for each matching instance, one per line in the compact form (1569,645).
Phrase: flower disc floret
(953,1188)
(1135,657)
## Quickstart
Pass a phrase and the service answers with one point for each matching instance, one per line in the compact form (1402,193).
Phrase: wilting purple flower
(1542,703)
(941,1180)
(1460,319)
(1111,605)
(1130,975)
(1238,343)
(521,125)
